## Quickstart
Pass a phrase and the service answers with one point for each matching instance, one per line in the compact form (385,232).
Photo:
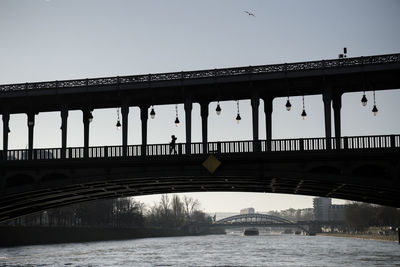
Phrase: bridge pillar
(87,117)
(268,120)
(144,115)
(327,98)
(6,129)
(255,103)
(204,125)
(188,119)
(124,113)
(64,120)
(337,106)
(31,125)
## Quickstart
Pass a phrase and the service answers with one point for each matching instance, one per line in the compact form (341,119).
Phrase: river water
(217,250)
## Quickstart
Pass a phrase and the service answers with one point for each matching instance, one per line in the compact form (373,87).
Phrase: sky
(45,40)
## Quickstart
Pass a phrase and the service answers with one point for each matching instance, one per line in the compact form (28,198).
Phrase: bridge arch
(38,185)
(254,216)
(259,219)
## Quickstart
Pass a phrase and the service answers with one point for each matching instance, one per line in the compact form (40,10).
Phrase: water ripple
(218,251)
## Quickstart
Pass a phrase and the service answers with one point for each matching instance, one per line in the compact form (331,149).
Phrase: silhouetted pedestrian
(172,144)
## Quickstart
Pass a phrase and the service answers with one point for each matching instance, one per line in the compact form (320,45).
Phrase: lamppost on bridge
(152,112)
(364,100)
(288,105)
(218,109)
(374,109)
(118,125)
(304,114)
(238,118)
(90,116)
(176,119)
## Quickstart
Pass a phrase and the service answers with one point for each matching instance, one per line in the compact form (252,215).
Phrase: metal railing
(262,69)
(225,147)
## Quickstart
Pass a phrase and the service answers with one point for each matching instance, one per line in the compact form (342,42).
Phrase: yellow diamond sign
(211,163)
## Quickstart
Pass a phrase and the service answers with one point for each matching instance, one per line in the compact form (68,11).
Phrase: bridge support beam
(144,115)
(64,120)
(31,125)
(255,103)
(124,113)
(87,117)
(188,123)
(268,120)
(6,130)
(337,106)
(204,125)
(327,98)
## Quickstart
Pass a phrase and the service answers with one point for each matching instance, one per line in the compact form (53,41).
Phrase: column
(327,98)
(87,117)
(6,130)
(64,120)
(337,106)
(124,113)
(268,120)
(31,125)
(188,123)
(204,125)
(144,115)
(255,102)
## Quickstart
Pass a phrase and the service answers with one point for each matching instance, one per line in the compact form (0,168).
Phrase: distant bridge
(260,220)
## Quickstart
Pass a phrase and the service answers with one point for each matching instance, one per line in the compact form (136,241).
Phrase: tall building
(321,208)
(325,211)
(247,211)
(336,212)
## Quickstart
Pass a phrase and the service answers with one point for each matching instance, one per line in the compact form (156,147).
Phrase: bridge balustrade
(225,147)
(262,69)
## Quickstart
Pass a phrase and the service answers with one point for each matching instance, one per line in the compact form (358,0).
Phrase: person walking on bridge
(172,144)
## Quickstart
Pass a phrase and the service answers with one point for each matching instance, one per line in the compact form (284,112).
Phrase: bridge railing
(261,69)
(224,147)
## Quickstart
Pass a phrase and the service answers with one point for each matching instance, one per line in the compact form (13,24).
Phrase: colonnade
(328,98)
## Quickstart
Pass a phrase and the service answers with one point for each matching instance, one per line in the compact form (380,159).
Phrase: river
(216,250)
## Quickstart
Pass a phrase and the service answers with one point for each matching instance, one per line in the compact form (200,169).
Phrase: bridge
(259,220)
(361,168)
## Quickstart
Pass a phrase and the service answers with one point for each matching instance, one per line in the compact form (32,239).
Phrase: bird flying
(249,13)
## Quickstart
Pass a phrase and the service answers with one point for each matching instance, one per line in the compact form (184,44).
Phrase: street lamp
(176,119)
(118,125)
(152,112)
(90,117)
(303,114)
(288,105)
(374,109)
(238,118)
(364,100)
(218,109)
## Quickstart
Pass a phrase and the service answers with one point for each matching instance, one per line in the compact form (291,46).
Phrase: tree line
(360,216)
(170,212)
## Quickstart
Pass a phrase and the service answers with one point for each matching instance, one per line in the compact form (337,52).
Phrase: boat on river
(251,231)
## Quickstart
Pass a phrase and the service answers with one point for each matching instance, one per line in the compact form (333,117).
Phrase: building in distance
(247,211)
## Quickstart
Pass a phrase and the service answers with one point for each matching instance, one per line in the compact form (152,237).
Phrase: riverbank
(389,238)
(21,236)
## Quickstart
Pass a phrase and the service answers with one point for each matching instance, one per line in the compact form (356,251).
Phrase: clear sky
(44,40)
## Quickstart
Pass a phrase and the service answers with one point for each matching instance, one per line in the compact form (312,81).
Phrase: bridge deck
(227,147)
(368,73)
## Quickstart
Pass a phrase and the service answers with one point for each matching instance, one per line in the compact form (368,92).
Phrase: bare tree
(165,204)
(190,205)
